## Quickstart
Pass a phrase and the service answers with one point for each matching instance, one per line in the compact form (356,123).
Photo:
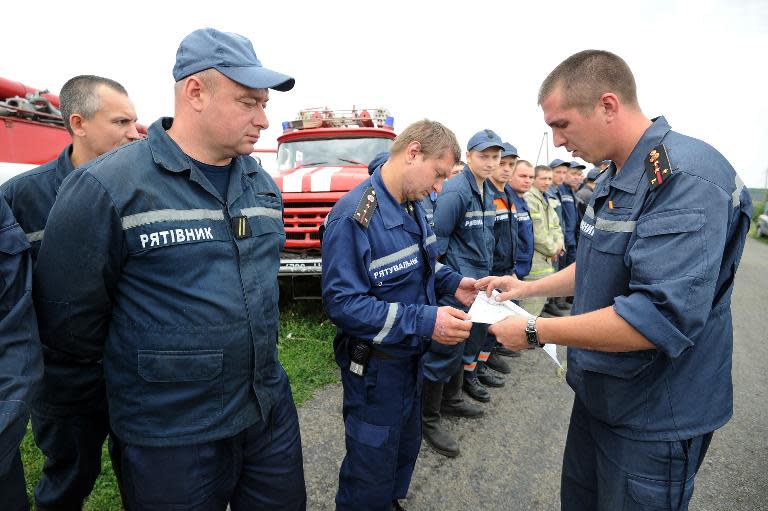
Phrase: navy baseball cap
(576,165)
(593,173)
(484,139)
(508,149)
(558,163)
(230,54)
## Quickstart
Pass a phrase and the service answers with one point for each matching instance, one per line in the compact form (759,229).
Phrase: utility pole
(765,186)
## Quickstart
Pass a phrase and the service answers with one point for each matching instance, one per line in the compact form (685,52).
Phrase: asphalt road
(511,457)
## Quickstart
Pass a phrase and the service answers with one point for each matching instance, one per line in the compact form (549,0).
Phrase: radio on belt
(359,353)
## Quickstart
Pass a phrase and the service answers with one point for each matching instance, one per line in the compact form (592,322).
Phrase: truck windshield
(330,151)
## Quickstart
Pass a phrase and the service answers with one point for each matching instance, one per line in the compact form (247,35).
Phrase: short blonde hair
(435,139)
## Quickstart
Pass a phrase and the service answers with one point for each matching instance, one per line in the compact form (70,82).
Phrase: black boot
(487,378)
(474,388)
(433,432)
(562,304)
(497,364)
(505,352)
(453,401)
(552,309)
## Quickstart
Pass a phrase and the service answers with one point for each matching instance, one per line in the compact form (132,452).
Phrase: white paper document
(487,310)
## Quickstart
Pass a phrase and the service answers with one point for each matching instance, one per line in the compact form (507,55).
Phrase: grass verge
(306,352)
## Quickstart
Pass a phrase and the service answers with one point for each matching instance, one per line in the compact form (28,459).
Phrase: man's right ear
(193,91)
(76,124)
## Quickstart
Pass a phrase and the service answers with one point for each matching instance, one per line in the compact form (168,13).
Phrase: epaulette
(366,207)
(657,166)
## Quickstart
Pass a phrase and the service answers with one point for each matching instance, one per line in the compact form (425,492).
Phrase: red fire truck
(32,131)
(321,155)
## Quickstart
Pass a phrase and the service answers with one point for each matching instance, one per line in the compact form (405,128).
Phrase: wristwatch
(531,333)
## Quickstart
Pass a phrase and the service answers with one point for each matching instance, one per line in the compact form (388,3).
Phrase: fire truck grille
(302,221)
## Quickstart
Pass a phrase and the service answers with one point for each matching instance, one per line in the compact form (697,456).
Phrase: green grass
(306,352)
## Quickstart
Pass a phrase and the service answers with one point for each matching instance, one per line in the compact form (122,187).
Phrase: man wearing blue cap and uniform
(504,252)
(651,336)
(99,117)
(556,306)
(21,360)
(161,258)
(569,222)
(464,218)
(380,285)
(584,195)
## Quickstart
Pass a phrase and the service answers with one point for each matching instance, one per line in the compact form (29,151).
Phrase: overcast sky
(471,65)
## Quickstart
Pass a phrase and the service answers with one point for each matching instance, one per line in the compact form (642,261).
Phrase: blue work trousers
(13,489)
(603,471)
(382,422)
(260,468)
(72,449)
(478,337)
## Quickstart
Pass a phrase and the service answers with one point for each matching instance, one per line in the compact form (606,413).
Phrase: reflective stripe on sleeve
(35,236)
(391,315)
(736,197)
(615,225)
(170,215)
(261,211)
(391,258)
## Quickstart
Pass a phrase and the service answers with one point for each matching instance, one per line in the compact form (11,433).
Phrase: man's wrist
(531,333)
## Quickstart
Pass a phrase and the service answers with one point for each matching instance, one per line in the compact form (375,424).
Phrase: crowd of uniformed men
(155,295)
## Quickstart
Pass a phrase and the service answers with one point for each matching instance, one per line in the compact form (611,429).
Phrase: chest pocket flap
(13,240)
(265,219)
(671,222)
(670,244)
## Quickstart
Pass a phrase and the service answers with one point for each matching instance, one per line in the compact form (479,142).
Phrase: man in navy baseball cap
(230,54)
(558,163)
(215,424)
(484,139)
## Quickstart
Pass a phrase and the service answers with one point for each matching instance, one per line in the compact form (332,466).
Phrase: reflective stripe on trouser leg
(473,345)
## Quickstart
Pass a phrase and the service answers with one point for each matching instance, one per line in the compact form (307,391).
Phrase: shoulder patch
(366,206)
(657,166)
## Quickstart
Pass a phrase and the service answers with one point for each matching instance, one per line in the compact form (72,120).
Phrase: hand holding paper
(508,320)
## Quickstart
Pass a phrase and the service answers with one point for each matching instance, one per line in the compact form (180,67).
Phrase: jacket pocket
(13,240)
(670,244)
(619,365)
(181,387)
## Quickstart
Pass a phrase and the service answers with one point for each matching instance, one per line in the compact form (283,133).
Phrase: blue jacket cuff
(643,315)
(427,324)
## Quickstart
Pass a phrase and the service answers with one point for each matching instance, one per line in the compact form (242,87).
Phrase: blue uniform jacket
(21,363)
(665,259)
(524,255)
(140,265)
(553,192)
(570,217)
(379,282)
(464,225)
(428,203)
(504,232)
(31,196)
